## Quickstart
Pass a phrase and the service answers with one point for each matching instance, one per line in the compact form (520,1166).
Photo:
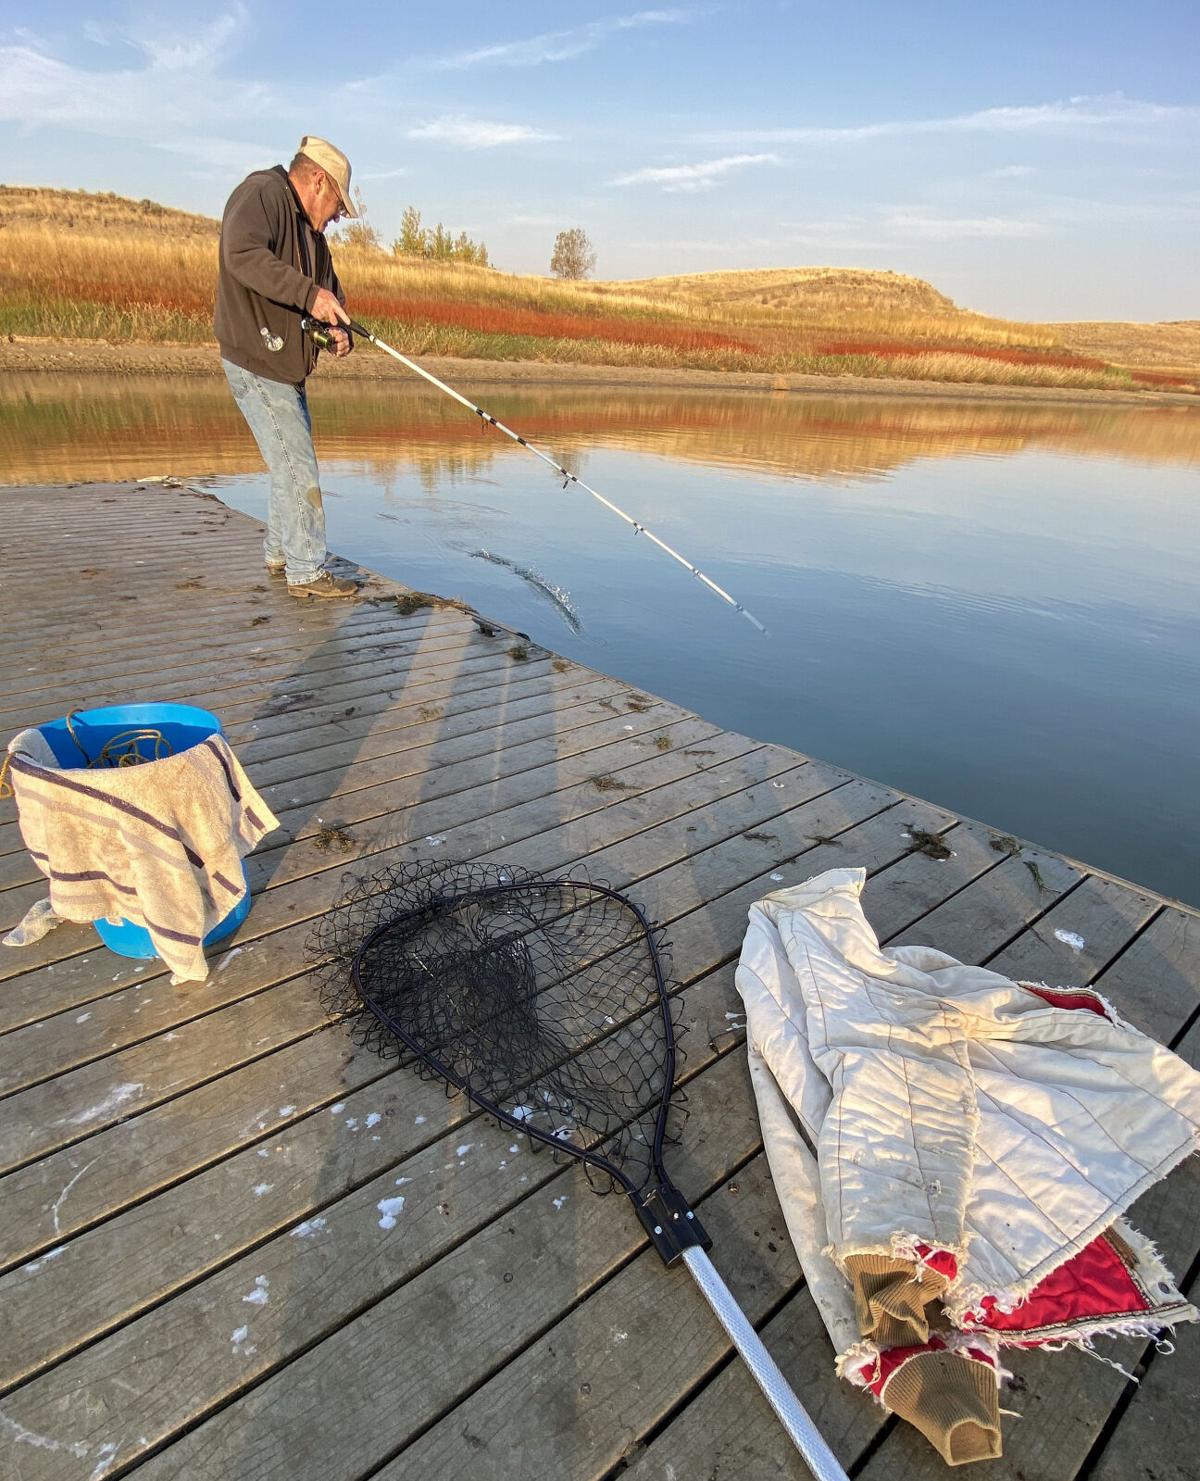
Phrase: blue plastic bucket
(182,727)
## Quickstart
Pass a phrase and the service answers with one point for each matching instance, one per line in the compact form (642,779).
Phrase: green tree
(359,232)
(411,241)
(441,244)
(573,255)
(416,240)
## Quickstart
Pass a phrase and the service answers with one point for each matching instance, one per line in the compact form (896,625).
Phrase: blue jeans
(277,414)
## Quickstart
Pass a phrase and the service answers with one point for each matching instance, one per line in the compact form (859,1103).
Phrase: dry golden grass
(74,265)
(836,299)
(37,206)
(1166,347)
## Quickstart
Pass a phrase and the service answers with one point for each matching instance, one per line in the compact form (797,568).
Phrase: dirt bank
(99,357)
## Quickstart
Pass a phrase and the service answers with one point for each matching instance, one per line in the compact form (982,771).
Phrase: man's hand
(342,344)
(326,308)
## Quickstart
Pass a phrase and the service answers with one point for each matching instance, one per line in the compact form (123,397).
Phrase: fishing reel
(320,334)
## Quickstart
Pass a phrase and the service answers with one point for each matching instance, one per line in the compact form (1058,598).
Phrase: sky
(1031,160)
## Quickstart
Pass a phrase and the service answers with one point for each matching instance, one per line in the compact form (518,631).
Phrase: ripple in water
(555,595)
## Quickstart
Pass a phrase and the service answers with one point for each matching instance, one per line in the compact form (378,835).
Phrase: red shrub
(486,318)
(1049,358)
(1162,378)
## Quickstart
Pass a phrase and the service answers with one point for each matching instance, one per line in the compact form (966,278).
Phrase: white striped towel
(160,844)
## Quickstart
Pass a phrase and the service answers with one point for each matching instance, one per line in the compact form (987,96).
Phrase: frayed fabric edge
(859,1365)
(1083,1334)
(900,1246)
(851,1364)
(961,1300)
(1084,992)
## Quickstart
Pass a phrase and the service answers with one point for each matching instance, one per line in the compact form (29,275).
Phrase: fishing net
(544,1000)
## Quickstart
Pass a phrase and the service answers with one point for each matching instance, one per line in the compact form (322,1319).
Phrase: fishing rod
(321,334)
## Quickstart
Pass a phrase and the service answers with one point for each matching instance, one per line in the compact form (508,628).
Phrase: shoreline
(94,357)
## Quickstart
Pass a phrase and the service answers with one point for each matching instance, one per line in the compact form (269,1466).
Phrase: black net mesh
(545,1000)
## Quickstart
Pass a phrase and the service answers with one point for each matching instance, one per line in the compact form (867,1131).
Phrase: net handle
(791,1413)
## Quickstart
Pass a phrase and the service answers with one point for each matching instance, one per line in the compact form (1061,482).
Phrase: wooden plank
(48,1045)
(107,645)
(1157,981)
(559,701)
(347,721)
(921,881)
(390,788)
(297,696)
(724,1432)
(575,1403)
(473,821)
(72,1107)
(1078,937)
(159,666)
(458,1316)
(471,731)
(283,741)
(61,1194)
(289,633)
(191,1230)
(987,914)
(243,669)
(80,1102)
(357,794)
(269,867)
(1156,1437)
(294,709)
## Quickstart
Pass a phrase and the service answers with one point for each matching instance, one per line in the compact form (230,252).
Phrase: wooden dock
(196,1279)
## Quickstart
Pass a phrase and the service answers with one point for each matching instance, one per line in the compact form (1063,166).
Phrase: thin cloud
(1011,172)
(154,104)
(1081,117)
(558,46)
(478,133)
(955,228)
(182,111)
(702,176)
(688,244)
(187,51)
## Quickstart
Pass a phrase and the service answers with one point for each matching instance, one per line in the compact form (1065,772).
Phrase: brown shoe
(276,568)
(324,586)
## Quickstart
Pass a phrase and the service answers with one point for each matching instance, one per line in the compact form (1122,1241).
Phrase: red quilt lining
(1074,997)
(1093,1284)
(876,1375)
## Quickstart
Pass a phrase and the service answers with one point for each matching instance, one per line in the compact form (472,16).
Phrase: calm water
(994,606)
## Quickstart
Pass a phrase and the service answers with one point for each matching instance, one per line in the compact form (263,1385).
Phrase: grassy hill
(98,266)
(25,206)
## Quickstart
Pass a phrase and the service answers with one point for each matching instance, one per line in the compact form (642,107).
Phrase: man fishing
(276,268)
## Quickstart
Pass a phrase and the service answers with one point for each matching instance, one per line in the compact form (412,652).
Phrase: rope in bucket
(122,749)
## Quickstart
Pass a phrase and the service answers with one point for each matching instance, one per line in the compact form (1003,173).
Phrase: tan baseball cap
(334,163)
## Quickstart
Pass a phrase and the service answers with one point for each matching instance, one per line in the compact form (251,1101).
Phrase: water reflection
(993,605)
(56,429)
